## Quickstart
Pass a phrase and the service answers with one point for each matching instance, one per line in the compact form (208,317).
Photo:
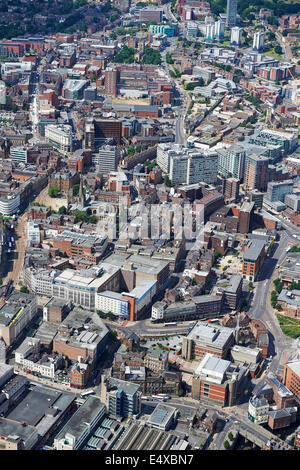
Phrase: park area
(289,326)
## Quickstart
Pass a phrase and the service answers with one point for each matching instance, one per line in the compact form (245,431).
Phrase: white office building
(19,154)
(113,302)
(187,165)
(219,29)
(33,232)
(10,204)
(236,36)
(60,136)
(258,41)
(209,36)
(231,162)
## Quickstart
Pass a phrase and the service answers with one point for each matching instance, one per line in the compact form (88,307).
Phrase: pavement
(19,250)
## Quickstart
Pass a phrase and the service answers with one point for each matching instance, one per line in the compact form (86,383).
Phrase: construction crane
(291,74)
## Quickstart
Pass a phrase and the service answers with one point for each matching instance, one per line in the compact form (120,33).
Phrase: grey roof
(234,283)
(258,402)
(85,414)
(210,334)
(283,413)
(127,387)
(37,404)
(254,249)
(161,414)
(291,297)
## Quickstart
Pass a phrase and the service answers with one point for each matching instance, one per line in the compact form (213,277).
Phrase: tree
(180,392)
(273,21)
(152,56)
(93,219)
(62,210)
(76,189)
(169,59)
(230,436)
(1,281)
(53,191)
(226,445)
(167,181)
(273,298)
(130,150)
(81,216)
(278,49)
(278,285)
(24,290)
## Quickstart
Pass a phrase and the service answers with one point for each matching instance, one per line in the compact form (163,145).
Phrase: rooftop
(213,368)
(81,418)
(210,334)
(161,415)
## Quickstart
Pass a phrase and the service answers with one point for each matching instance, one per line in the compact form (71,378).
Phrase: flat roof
(254,249)
(78,421)
(37,403)
(210,334)
(213,367)
(128,387)
(161,414)
(295,367)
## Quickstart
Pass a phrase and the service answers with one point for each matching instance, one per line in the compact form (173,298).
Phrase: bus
(170,324)
(85,394)
(145,398)
(163,395)
(158,398)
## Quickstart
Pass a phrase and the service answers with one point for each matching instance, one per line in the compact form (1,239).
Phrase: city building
(111,80)
(122,398)
(219,29)
(233,292)
(16,313)
(81,334)
(277,191)
(236,36)
(245,355)
(258,410)
(80,426)
(73,89)
(258,41)
(207,338)
(106,159)
(230,188)
(150,14)
(187,166)
(231,162)
(291,377)
(256,172)
(253,259)
(156,360)
(60,136)
(219,381)
(231,13)
(163,417)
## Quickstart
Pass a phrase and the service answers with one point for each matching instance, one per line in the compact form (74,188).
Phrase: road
(180,137)
(19,251)
(261,307)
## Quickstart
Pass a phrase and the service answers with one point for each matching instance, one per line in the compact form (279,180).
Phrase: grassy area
(272,53)
(289,326)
